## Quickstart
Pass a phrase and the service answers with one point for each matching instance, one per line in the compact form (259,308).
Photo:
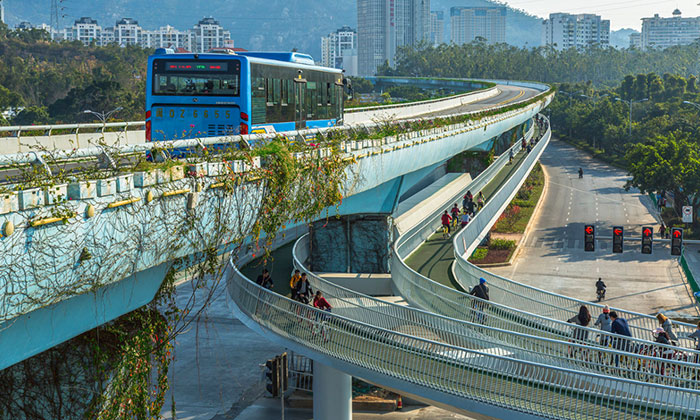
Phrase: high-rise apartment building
(127,32)
(86,30)
(208,34)
(437,27)
(334,45)
(470,23)
(658,32)
(564,31)
(385,25)
(167,37)
(636,40)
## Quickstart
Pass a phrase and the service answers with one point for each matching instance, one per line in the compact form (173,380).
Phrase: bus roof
(272,58)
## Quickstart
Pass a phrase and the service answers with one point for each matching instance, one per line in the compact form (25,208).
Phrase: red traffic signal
(589,238)
(618,232)
(647,236)
(676,241)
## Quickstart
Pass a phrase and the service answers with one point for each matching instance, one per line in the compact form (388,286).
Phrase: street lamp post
(103,116)
(692,103)
(629,103)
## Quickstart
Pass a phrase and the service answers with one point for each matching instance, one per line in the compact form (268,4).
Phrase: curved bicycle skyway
(469,380)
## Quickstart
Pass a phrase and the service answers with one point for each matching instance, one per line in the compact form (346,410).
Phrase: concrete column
(332,393)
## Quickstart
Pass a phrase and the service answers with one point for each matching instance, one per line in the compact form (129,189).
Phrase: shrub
(522,203)
(479,254)
(501,244)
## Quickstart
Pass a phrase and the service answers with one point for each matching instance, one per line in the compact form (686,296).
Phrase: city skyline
(621,14)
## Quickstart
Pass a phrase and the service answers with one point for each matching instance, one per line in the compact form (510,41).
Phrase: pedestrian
(604,323)
(320,302)
(619,327)
(667,325)
(469,195)
(583,319)
(510,156)
(304,291)
(293,282)
(265,280)
(523,143)
(465,204)
(481,291)
(662,230)
(660,336)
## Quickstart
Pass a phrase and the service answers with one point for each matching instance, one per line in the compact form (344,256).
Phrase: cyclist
(320,302)
(454,212)
(446,219)
(480,200)
(465,219)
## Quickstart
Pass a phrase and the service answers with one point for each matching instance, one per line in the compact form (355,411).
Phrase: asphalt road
(553,258)
(509,95)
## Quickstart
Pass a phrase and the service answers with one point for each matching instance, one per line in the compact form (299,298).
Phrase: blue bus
(221,94)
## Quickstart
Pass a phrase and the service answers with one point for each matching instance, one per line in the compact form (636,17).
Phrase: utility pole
(629,103)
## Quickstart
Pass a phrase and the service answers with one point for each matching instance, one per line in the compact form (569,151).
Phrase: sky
(622,13)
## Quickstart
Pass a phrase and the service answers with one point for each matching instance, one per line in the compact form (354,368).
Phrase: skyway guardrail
(472,380)
(473,330)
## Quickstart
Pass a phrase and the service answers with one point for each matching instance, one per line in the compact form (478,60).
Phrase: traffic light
(647,236)
(618,238)
(676,241)
(273,377)
(589,238)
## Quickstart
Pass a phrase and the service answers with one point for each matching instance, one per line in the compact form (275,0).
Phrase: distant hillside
(522,29)
(621,38)
(254,24)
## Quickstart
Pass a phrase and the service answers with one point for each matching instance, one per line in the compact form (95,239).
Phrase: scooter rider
(600,287)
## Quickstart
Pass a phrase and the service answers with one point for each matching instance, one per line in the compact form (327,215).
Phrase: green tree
(668,163)
(32,115)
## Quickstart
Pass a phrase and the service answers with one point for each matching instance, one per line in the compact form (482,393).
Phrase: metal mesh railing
(475,324)
(486,376)
(521,296)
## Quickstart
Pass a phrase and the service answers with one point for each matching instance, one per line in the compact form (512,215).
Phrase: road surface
(553,257)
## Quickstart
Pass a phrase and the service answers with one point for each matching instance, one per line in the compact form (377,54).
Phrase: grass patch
(519,212)
(479,254)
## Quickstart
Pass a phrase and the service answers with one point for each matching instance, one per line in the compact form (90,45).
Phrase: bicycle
(320,328)
(445,231)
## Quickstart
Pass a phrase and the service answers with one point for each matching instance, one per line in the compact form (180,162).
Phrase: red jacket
(446,219)
(321,303)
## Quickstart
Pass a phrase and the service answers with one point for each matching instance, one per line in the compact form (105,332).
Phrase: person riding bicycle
(454,211)
(446,219)
(320,302)
(580,172)
(480,200)
(466,218)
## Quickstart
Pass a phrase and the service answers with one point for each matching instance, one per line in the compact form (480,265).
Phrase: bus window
(258,97)
(196,84)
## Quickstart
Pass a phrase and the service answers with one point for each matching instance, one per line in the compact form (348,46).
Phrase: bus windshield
(182,78)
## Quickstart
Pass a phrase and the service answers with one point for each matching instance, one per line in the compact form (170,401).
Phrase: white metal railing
(432,296)
(421,364)
(474,329)
(525,297)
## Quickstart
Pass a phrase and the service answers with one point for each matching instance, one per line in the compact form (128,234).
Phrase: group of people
(609,321)
(301,289)
(464,215)
(302,292)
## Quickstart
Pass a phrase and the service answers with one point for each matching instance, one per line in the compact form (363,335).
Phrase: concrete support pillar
(332,393)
